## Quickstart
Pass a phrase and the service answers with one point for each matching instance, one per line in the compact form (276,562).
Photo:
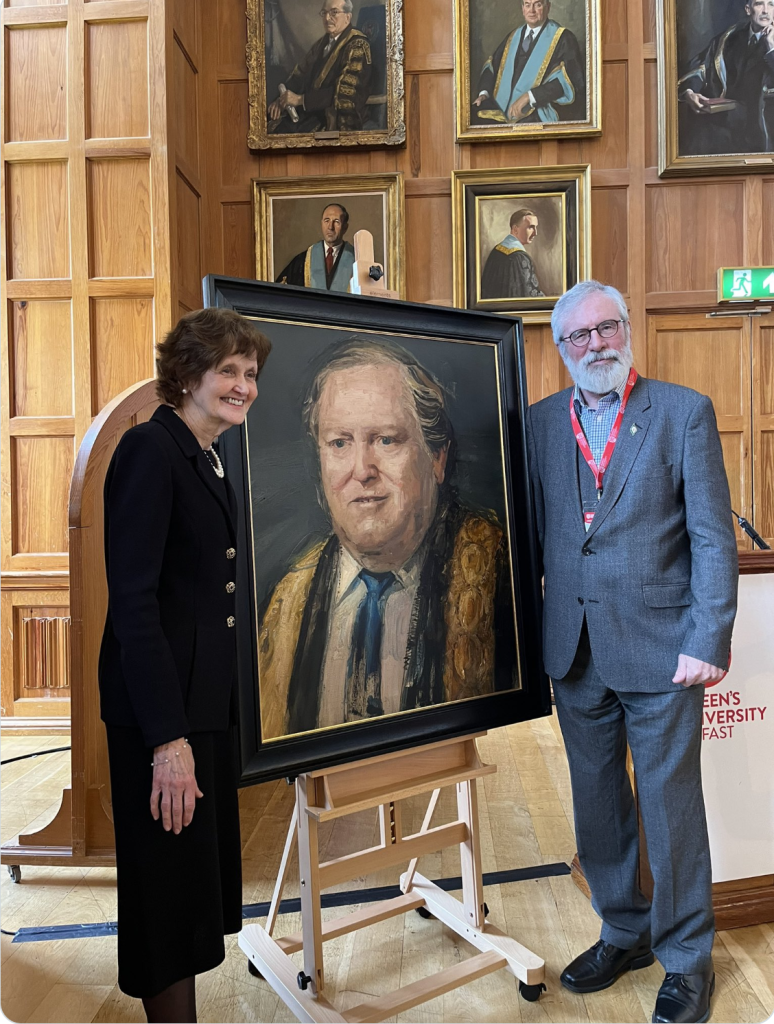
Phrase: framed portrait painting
(325,73)
(529,68)
(304,228)
(716,89)
(521,237)
(388,587)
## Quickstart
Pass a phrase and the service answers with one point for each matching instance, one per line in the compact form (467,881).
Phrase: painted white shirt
(350,591)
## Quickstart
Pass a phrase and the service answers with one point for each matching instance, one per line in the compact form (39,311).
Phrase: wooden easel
(383,782)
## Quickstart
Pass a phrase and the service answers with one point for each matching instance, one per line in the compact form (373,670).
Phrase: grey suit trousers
(663,731)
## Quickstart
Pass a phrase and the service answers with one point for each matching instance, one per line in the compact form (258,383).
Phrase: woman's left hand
(174,784)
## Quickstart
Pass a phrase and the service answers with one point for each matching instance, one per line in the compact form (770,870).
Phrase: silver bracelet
(157,764)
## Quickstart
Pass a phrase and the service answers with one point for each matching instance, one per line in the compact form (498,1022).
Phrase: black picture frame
(302,307)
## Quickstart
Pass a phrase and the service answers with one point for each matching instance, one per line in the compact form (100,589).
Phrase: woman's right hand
(174,785)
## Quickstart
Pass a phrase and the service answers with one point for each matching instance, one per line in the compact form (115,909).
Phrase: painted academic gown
(335,85)
(510,273)
(552,69)
(308,269)
(461,642)
(736,67)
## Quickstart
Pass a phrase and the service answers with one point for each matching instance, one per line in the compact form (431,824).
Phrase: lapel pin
(633,429)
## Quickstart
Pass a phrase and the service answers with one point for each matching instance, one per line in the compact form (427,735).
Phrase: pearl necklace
(217,465)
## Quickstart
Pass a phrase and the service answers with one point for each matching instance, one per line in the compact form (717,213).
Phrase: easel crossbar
(364,862)
(427,988)
(359,919)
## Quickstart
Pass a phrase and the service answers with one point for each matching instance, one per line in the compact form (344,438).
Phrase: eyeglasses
(607,329)
(334,12)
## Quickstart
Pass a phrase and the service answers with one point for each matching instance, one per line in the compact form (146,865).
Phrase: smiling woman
(168,664)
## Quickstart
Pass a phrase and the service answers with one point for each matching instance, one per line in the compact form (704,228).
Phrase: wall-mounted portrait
(391,569)
(304,228)
(325,73)
(716,96)
(529,68)
(521,237)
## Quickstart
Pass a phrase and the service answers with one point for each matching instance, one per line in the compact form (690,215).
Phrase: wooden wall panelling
(186,135)
(763,427)
(26,652)
(85,273)
(714,358)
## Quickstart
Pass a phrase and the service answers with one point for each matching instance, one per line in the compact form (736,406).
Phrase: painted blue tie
(365,689)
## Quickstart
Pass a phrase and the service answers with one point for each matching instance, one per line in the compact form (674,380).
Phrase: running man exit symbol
(742,286)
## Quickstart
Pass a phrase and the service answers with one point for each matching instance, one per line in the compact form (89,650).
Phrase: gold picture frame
(493,255)
(561,53)
(278,44)
(719,138)
(287,214)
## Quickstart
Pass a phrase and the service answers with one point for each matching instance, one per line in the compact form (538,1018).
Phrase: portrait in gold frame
(521,237)
(287,215)
(716,54)
(527,70)
(320,77)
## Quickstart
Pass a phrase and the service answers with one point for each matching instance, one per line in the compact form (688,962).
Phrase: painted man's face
(761,14)
(379,478)
(333,225)
(334,18)
(526,230)
(535,12)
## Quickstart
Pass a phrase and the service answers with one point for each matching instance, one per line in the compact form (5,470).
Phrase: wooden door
(763,425)
(714,356)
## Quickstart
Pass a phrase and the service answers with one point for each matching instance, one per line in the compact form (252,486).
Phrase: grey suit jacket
(656,575)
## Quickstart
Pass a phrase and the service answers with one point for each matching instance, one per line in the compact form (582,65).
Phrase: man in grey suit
(640,566)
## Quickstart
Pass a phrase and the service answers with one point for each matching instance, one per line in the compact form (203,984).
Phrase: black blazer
(168,658)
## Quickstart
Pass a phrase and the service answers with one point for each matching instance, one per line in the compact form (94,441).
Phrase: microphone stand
(753,534)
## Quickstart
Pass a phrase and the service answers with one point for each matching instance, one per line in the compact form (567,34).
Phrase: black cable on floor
(37,753)
(4,932)
(292,906)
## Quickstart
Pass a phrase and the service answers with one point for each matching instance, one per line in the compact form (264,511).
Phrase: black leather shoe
(601,965)
(684,998)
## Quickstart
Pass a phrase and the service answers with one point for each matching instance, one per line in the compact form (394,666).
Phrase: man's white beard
(599,380)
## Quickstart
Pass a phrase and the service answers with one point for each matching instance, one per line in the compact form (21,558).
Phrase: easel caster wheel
(15,872)
(531,992)
(304,981)
(424,912)
(253,969)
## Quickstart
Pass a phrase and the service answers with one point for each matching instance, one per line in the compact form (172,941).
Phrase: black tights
(174,1005)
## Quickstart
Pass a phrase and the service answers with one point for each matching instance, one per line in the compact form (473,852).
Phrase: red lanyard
(583,444)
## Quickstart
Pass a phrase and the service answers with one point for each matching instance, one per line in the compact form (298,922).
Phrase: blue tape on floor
(331,899)
(66,931)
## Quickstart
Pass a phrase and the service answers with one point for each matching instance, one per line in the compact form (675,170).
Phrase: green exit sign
(745,284)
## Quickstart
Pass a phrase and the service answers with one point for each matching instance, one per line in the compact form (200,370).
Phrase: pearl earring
(185,391)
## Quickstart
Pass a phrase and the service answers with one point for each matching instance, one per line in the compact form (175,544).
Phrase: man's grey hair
(346,6)
(428,393)
(571,299)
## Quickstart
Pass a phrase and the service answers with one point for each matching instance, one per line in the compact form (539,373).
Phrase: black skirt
(178,895)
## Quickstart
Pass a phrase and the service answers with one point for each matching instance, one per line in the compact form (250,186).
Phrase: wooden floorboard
(526,819)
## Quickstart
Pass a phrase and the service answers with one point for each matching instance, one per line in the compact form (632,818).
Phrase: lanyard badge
(589,508)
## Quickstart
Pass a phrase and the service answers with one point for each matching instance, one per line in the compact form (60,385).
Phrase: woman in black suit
(168,665)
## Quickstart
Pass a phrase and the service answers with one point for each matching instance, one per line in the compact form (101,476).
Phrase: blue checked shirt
(597,423)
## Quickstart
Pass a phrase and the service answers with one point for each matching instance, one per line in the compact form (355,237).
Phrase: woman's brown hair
(198,343)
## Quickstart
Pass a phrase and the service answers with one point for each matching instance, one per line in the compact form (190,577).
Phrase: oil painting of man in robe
(535,75)
(328,89)
(726,88)
(327,263)
(405,600)
(509,271)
